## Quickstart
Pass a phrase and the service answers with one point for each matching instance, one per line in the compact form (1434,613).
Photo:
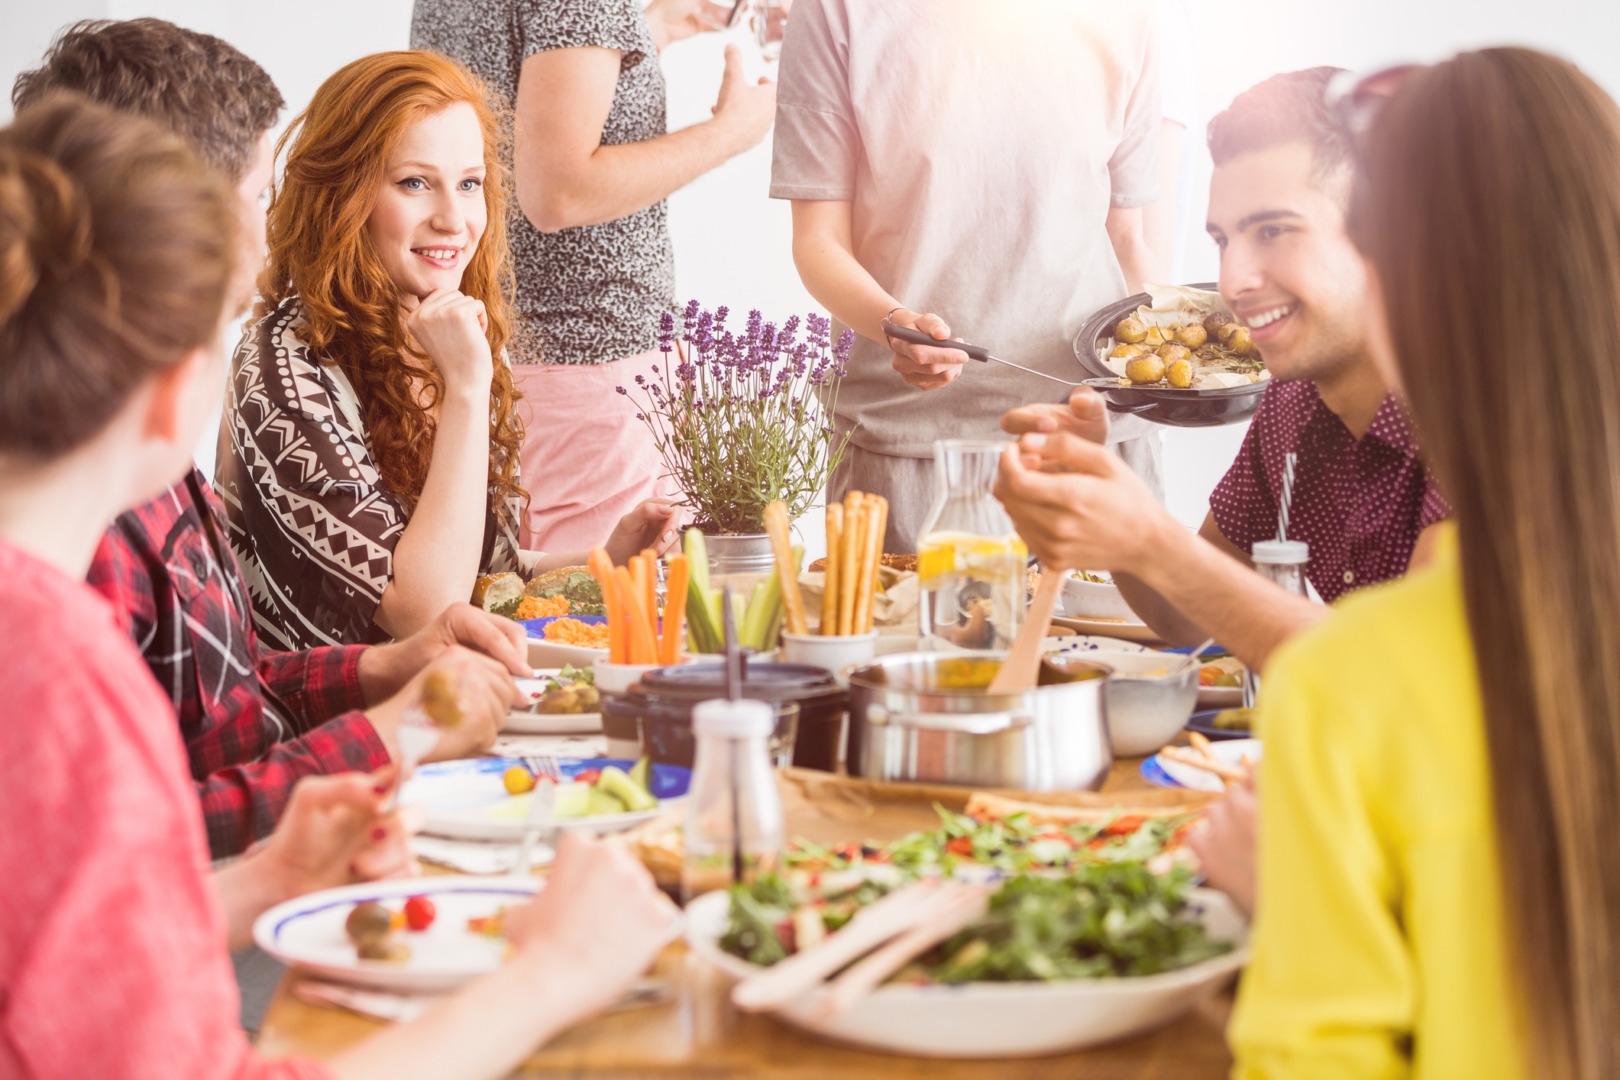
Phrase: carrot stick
(642,649)
(829,589)
(674,609)
(853,521)
(649,595)
(601,568)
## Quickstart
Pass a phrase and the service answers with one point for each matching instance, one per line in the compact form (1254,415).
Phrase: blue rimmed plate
(1163,773)
(307,932)
(468,800)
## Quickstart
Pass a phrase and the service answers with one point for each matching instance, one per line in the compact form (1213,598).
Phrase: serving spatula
(1022,668)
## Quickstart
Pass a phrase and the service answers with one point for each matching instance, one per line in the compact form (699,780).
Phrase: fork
(542,808)
(417,735)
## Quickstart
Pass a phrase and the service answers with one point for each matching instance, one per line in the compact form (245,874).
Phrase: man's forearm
(1247,614)
(619,180)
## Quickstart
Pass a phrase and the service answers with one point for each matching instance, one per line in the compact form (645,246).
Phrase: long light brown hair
(1490,205)
(337,154)
(117,246)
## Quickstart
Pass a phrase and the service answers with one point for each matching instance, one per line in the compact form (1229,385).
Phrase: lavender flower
(743,417)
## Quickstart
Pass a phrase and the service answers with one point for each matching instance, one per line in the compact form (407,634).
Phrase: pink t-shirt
(112,943)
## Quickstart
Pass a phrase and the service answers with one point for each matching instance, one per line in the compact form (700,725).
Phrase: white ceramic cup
(835,652)
(618,678)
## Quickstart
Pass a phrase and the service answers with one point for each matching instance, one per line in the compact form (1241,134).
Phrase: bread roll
(496,590)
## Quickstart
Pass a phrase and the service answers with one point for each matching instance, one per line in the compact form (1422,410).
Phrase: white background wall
(732,243)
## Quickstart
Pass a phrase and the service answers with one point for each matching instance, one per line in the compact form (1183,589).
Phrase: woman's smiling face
(430,211)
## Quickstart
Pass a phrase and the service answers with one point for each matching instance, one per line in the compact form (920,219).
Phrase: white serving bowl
(833,653)
(1082,599)
(1147,704)
(993,1020)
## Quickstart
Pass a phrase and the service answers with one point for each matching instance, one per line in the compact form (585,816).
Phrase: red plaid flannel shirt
(254,722)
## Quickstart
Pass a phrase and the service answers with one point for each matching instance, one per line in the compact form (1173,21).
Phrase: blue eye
(413,183)
(472,183)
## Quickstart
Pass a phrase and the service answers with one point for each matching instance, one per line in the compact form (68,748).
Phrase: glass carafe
(971,561)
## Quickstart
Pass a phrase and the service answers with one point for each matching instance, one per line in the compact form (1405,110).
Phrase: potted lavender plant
(743,419)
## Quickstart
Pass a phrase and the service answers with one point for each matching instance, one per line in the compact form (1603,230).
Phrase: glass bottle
(1283,563)
(971,562)
(733,829)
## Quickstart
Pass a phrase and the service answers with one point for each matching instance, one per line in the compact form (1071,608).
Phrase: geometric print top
(311,520)
(1359,503)
(592,294)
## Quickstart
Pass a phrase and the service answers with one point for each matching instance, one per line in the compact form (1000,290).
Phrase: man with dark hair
(1362,498)
(254,722)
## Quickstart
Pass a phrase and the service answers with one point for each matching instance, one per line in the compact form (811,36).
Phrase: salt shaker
(733,829)
(1282,562)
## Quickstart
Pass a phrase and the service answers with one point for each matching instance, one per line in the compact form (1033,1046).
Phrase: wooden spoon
(1022,668)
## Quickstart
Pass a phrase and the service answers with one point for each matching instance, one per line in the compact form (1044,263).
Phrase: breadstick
(866,574)
(853,521)
(882,527)
(776,525)
(1201,744)
(829,591)
(1187,757)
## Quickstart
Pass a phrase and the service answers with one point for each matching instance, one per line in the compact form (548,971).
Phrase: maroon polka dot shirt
(1359,504)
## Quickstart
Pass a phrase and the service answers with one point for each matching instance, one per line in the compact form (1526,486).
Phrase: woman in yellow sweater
(1439,879)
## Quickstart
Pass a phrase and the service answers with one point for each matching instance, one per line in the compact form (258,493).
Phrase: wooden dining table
(697,1032)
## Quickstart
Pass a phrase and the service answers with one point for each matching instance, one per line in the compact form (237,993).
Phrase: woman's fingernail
(1034,440)
(379,833)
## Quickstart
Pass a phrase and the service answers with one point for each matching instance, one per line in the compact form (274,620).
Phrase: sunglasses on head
(1357,96)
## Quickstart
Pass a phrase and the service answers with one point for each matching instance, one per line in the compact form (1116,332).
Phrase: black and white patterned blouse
(311,521)
(593,294)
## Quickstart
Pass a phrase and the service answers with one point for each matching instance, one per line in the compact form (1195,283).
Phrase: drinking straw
(728,622)
(1287,494)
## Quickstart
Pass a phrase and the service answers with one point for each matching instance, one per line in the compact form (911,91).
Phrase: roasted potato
(1130,330)
(1170,352)
(1192,335)
(1179,373)
(1239,342)
(1126,351)
(1213,324)
(1144,369)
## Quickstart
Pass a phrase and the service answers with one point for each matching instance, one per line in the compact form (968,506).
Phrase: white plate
(307,933)
(530,721)
(1081,644)
(467,800)
(545,654)
(1116,628)
(983,1020)
(1227,752)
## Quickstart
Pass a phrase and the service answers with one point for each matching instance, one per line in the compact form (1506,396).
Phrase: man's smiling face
(1288,270)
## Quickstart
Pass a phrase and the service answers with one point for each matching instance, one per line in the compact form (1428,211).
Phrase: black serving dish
(1161,404)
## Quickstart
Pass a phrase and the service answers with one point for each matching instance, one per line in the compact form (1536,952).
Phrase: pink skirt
(587,460)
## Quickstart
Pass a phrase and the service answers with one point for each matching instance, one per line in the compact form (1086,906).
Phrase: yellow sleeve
(1331,988)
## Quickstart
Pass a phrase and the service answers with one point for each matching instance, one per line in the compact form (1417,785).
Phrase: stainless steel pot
(926,717)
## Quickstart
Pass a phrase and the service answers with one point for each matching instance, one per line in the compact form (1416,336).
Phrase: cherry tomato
(1124,825)
(959,845)
(419,913)
(588,776)
(518,780)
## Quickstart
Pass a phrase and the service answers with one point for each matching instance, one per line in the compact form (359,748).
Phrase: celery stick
(752,630)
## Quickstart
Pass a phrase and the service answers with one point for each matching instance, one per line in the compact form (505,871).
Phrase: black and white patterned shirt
(312,521)
(593,294)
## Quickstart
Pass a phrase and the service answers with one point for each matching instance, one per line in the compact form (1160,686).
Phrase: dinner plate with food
(488,798)
(1020,966)
(1218,724)
(557,701)
(1205,766)
(420,935)
(1220,678)
(1175,354)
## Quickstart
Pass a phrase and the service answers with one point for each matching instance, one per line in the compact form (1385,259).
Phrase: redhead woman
(117,247)
(1439,880)
(373,468)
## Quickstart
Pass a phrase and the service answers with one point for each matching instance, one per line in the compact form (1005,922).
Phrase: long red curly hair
(337,153)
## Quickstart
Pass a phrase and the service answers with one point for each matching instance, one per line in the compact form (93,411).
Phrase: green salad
(1104,920)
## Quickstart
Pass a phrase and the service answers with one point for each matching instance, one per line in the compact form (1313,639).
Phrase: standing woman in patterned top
(373,467)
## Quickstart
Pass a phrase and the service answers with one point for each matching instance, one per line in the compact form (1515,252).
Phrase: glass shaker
(1282,562)
(971,561)
(733,828)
